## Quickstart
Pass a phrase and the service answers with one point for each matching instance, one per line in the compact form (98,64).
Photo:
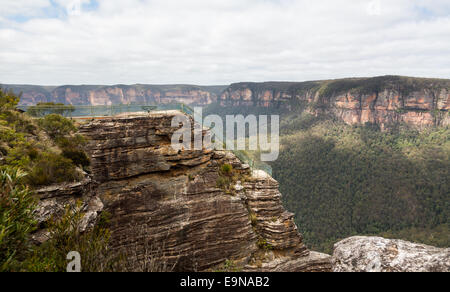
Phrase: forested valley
(343,180)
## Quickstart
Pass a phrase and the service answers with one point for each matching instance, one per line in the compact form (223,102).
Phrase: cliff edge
(384,100)
(181,208)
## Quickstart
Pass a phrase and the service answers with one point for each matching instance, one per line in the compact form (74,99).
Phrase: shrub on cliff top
(47,108)
(57,126)
(52,168)
(48,149)
(8,100)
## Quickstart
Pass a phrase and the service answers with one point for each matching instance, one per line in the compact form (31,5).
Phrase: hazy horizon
(213,85)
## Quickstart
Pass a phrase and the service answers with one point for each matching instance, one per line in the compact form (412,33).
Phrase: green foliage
(253,218)
(263,244)
(72,148)
(226,169)
(65,236)
(17,223)
(228,267)
(56,126)
(344,180)
(48,149)
(16,218)
(226,178)
(436,236)
(78,157)
(8,100)
(229,178)
(52,168)
(223,182)
(48,108)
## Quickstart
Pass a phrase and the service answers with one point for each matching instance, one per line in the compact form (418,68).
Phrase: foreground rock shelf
(376,254)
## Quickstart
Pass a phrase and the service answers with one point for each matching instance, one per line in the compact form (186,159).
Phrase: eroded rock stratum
(171,205)
(384,100)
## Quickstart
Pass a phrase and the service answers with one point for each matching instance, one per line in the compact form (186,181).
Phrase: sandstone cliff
(382,100)
(169,205)
(117,94)
(375,254)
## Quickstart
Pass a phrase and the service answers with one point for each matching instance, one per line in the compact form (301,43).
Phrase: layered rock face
(118,94)
(375,254)
(54,199)
(382,100)
(168,205)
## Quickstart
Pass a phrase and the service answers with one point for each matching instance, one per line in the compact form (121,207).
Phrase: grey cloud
(219,42)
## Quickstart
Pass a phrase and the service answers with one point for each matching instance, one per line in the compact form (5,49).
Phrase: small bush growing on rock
(48,149)
(78,157)
(228,267)
(43,109)
(226,169)
(51,169)
(223,182)
(8,100)
(263,244)
(72,149)
(253,218)
(57,126)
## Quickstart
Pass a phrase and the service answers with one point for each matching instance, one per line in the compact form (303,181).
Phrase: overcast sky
(56,42)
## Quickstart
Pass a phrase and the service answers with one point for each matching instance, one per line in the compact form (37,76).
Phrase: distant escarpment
(117,94)
(184,208)
(380,100)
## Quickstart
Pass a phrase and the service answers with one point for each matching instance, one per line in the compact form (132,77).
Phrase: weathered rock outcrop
(117,94)
(53,201)
(375,254)
(382,100)
(168,204)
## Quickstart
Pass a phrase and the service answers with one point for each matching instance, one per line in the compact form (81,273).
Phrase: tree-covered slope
(343,180)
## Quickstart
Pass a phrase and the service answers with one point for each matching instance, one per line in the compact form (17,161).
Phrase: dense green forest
(343,180)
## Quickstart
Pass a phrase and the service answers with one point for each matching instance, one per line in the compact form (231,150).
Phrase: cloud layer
(219,42)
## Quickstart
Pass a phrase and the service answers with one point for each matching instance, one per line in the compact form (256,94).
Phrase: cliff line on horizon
(381,100)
